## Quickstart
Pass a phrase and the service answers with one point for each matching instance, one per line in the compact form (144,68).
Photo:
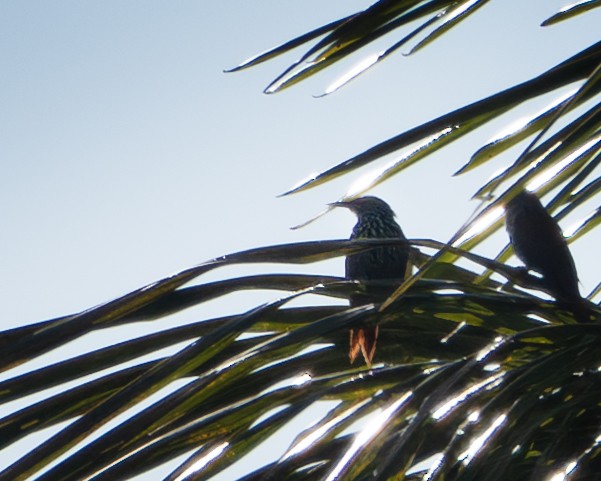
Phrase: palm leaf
(475,378)
(234,379)
(571,11)
(438,132)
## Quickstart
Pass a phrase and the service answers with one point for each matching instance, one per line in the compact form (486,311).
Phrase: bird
(375,220)
(539,243)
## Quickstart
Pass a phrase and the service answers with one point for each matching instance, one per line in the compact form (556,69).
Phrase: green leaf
(468,118)
(571,11)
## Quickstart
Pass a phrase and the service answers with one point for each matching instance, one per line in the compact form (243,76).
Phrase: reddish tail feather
(363,339)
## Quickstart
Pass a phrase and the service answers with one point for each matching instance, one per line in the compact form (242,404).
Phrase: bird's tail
(363,339)
(582,309)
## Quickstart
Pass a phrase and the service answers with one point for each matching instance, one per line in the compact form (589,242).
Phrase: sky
(128,154)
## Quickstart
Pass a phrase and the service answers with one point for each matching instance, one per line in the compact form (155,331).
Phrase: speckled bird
(375,219)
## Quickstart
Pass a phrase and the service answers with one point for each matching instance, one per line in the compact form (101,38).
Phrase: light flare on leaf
(483,223)
(467,456)
(359,68)
(537,182)
(367,434)
(311,438)
(448,406)
(562,474)
(204,461)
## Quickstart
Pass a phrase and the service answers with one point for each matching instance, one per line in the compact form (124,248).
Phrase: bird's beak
(340,203)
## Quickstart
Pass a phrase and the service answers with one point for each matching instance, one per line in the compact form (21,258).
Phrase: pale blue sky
(128,154)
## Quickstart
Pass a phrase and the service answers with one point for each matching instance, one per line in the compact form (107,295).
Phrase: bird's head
(367,205)
(525,203)
(522,197)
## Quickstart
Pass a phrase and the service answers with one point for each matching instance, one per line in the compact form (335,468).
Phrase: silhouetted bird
(375,219)
(539,243)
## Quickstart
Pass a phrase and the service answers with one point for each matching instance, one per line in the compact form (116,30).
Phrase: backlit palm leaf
(474,378)
(441,324)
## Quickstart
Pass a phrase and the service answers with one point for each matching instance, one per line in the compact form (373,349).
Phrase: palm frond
(433,334)
(439,132)
(474,378)
(572,10)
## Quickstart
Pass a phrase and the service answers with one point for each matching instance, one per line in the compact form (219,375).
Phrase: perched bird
(539,243)
(375,219)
